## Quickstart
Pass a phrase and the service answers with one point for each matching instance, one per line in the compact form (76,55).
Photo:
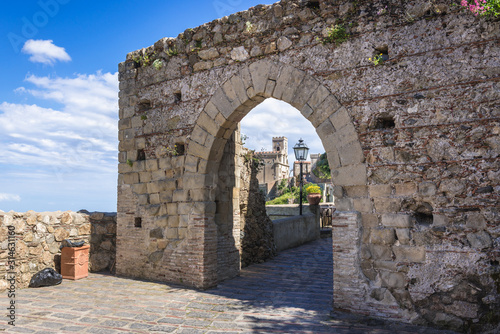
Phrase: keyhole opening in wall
(138,222)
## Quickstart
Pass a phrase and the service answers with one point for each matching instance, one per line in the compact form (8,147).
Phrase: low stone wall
(285,210)
(102,241)
(33,240)
(295,231)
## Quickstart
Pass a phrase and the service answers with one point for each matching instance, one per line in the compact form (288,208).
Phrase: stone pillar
(347,283)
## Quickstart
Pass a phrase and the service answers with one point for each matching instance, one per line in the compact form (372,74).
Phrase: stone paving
(289,294)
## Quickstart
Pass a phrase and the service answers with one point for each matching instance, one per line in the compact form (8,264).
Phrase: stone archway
(244,90)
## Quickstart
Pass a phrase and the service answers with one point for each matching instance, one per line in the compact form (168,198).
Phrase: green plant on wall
(322,169)
(249,27)
(335,34)
(172,151)
(158,64)
(376,60)
(172,52)
(129,162)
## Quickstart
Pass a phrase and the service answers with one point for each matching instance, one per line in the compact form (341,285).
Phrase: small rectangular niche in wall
(312,4)
(385,123)
(143,106)
(180,149)
(141,155)
(177,97)
(138,222)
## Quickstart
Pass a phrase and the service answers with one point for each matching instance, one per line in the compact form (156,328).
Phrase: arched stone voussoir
(260,72)
(287,82)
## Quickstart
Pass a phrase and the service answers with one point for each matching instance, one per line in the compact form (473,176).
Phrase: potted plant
(313,193)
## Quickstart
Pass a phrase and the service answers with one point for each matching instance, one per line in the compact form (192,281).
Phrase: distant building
(306,170)
(314,158)
(275,165)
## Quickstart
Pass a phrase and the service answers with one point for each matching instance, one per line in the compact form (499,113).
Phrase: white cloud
(45,52)
(81,135)
(275,118)
(9,197)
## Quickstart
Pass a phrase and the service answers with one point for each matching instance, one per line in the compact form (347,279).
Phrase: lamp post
(300,149)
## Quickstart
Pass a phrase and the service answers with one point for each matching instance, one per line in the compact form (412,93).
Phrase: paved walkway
(290,294)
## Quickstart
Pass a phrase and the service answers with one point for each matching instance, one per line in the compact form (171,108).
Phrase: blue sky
(58,95)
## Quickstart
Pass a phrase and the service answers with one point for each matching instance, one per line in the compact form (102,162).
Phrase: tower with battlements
(275,165)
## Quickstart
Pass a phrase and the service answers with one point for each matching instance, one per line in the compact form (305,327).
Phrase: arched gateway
(412,146)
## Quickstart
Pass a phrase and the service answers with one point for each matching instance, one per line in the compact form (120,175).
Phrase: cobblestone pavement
(289,294)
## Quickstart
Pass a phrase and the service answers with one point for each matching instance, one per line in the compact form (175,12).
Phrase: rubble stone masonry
(413,144)
(38,237)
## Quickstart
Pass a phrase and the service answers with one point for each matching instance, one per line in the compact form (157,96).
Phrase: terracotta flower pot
(75,262)
(314,199)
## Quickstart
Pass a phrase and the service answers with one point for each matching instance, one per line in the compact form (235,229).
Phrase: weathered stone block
(304,92)
(349,175)
(383,205)
(131,178)
(284,43)
(384,236)
(427,189)
(173,221)
(475,221)
(208,54)
(369,220)
(385,265)
(259,72)
(202,65)
(362,204)
(340,118)
(380,190)
(396,220)
(198,150)
(356,191)
(405,189)
(239,54)
(154,198)
(440,220)
(319,95)
(344,204)
(154,187)
(324,110)
(180,195)
(351,154)
(403,235)
(479,240)
(151,165)
(393,280)
(409,253)
(380,252)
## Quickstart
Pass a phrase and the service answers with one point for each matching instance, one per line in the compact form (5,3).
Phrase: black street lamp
(300,149)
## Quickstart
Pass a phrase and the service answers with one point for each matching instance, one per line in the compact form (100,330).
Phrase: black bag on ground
(45,277)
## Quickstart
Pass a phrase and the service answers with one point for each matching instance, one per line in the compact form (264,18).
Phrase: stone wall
(413,144)
(102,241)
(38,238)
(295,231)
(256,228)
(285,210)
